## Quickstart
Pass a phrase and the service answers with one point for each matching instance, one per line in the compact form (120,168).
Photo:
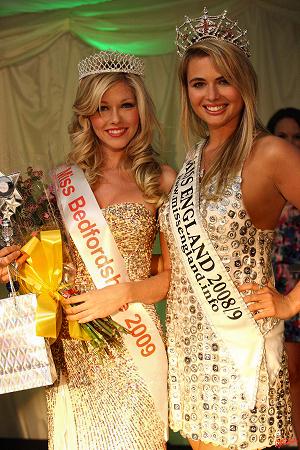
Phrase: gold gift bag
(25,359)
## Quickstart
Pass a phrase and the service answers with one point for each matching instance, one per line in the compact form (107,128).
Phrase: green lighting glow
(9,8)
(141,48)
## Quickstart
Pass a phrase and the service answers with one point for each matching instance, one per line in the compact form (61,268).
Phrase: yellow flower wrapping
(42,275)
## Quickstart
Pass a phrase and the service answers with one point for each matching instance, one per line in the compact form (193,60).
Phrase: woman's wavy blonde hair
(237,69)
(140,155)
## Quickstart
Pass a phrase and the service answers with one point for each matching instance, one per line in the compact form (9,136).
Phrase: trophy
(10,199)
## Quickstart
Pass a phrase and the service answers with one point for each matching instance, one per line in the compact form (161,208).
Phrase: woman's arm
(7,256)
(104,302)
(267,302)
(157,264)
(100,303)
(270,177)
(277,165)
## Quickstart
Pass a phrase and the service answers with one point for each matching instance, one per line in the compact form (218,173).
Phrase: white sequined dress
(109,404)
(206,398)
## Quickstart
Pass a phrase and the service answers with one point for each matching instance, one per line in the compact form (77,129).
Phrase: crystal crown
(210,27)
(110,61)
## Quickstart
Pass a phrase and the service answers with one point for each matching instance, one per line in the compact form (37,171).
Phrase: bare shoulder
(273,150)
(167,178)
(276,163)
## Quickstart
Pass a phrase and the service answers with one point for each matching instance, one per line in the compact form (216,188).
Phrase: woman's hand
(96,304)
(7,256)
(268,302)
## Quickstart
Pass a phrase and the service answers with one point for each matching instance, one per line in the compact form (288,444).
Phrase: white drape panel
(38,78)
(38,97)
(37,92)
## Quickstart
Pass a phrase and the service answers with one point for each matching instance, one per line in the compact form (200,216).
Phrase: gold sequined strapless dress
(108,404)
(206,398)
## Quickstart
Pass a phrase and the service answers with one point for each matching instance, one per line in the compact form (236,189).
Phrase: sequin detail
(206,398)
(112,406)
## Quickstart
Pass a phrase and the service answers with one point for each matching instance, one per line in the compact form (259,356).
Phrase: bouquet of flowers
(49,270)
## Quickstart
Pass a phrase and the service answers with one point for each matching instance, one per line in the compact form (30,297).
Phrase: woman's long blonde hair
(140,155)
(237,69)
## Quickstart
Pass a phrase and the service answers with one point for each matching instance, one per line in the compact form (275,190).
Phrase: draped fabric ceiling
(41,42)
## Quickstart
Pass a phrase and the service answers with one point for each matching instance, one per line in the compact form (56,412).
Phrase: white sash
(222,303)
(95,243)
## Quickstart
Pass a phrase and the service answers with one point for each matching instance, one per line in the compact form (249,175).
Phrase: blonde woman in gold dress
(106,403)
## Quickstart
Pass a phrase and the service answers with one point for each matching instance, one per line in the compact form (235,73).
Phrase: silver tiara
(110,61)
(210,27)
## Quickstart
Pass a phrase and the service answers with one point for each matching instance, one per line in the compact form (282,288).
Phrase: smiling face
(213,99)
(117,120)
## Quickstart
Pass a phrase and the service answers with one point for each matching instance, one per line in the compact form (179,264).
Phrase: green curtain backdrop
(41,42)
